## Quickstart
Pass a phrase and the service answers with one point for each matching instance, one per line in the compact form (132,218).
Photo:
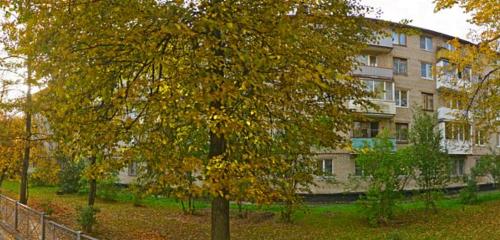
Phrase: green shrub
(70,176)
(87,217)
(138,194)
(383,170)
(468,195)
(107,189)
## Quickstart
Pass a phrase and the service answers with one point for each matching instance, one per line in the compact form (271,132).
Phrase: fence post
(78,235)
(42,224)
(16,220)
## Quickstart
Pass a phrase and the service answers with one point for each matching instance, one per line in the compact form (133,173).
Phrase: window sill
(427,50)
(401,74)
(402,106)
(426,78)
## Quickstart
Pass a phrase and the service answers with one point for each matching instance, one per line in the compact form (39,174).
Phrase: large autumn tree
(479,94)
(209,85)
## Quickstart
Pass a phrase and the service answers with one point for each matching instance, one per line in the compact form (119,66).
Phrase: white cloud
(449,21)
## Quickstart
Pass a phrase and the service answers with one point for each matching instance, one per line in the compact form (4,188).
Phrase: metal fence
(29,224)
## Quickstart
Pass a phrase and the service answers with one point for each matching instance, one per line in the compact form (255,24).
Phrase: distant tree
(386,172)
(11,146)
(489,166)
(430,159)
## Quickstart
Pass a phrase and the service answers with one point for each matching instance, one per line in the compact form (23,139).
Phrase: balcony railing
(448,81)
(445,113)
(358,143)
(382,45)
(453,146)
(387,108)
(375,72)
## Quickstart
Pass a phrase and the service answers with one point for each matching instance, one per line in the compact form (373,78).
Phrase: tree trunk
(220,205)
(23,191)
(92,185)
(220,218)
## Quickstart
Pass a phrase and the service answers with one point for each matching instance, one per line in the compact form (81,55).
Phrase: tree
(489,166)
(232,71)
(387,172)
(479,93)
(428,156)
(11,146)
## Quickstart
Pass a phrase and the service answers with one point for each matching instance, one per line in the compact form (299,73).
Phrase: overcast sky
(450,21)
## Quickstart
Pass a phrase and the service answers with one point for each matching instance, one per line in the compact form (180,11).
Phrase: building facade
(401,71)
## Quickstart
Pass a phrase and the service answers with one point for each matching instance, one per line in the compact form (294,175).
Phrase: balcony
(383,45)
(453,146)
(374,72)
(358,143)
(386,108)
(448,114)
(450,82)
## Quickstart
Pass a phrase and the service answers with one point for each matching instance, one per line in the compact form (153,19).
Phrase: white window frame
(396,38)
(458,169)
(478,136)
(407,129)
(399,68)
(323,165)
(132,169)
(428,70)
(427,43)
(449,47)
(371,88)
(399,98)
(365,60)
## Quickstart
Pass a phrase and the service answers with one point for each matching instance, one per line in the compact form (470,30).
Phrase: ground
(163,219)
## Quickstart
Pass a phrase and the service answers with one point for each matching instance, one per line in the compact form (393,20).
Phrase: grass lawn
(163,219)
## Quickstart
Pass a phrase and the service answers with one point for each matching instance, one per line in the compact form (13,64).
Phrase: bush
(70,176)
(138,194)
(383,168)
(87,217)
(107,189)
(46,172)
(468,195)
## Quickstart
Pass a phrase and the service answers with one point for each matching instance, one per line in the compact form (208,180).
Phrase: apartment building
(399,69)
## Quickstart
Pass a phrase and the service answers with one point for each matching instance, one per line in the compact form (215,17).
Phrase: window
(426,70)
(449,47)
(401,132)
(454,103)
(326,166)
(382,89)
(498,139)
(457,131)
(481,137)
(358,170)
(365,129)
(399,38)
(428,103)
(426,43)
(367,60)
(401,98)
(132,169)
(400,66)
(457,166)
(465,74)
